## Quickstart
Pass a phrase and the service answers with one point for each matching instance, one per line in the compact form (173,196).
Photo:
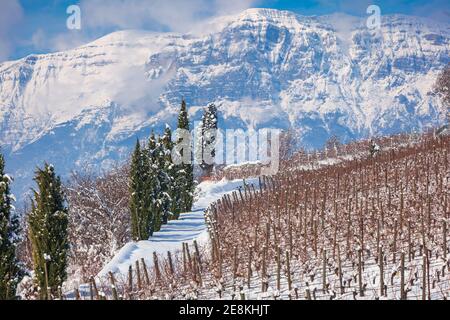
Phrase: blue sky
(39,26)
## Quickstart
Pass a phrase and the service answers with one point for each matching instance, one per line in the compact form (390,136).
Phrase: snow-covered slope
(191,226)
(323,76)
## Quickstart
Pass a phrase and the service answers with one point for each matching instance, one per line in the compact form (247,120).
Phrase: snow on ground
(191,226)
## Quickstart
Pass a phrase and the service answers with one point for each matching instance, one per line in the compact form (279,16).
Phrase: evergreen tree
(209,128)
(183,117)
(184,173)
(152,180)
(48,232)
(140,215)
(170,169)
(164,163)
(159,189)
(10,268)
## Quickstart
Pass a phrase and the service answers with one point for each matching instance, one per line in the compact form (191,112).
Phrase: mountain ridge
(321,75)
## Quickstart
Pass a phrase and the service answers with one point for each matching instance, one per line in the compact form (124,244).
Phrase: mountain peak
(261,67)
(266,12)
(269,15)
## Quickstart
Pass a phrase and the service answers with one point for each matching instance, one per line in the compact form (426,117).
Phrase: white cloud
(343,25)
(99,17)
(223,7)
(348,6)
(11,15)
(41,41)
(68,40)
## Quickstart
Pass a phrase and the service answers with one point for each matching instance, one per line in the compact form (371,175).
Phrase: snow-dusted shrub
(99,220)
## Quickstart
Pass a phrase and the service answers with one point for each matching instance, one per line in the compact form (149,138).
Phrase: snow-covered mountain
(323,76)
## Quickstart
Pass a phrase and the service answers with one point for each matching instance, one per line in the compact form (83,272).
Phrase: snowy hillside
(191,226)
(320,75)
(360,229)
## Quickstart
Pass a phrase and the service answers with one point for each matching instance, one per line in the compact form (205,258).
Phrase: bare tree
(24,245)
(99,219)
(287,144)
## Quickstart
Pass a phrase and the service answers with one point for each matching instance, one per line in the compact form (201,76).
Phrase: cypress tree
(185,172)
(48,232)
(183,118)
(153,182)
(164,162)
(172,189)
(209,128)
(10,269)
(140,217)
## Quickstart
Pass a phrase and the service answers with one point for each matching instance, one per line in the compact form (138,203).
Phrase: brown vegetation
(98,220)
(364,228)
